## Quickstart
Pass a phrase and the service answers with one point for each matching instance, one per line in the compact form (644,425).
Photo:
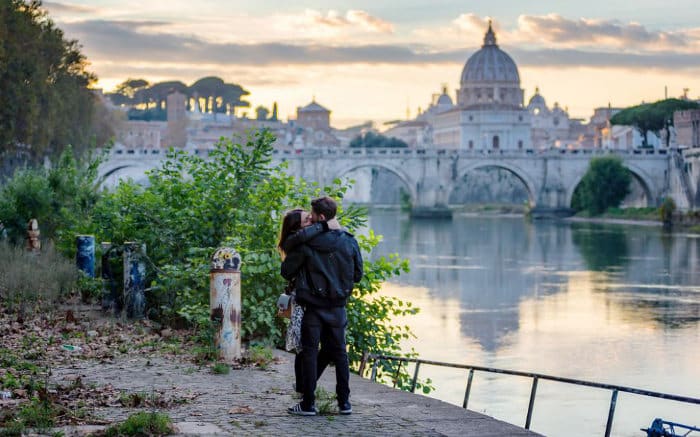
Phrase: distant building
(141,134)
(551,127)
(603,135)
(415,133)
(489,113)
(197,130)
(177,121)
(313,127)
(348,134)
(687,126)
(314,116)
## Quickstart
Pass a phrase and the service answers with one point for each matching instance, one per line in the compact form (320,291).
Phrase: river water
(617,304)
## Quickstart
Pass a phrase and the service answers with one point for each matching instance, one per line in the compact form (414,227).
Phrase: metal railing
(535,378)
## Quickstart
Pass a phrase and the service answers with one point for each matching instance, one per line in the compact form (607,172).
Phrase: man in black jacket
(325,267)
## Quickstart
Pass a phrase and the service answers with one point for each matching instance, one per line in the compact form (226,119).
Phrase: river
(617,304)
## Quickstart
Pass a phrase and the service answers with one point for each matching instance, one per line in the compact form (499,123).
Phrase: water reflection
(608,303)
(602,248)
(488,266)
(491,264)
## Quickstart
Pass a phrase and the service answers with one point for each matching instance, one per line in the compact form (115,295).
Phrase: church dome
(537,100)
(490,64)
(444,99)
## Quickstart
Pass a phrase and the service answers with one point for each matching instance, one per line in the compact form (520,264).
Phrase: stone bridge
(429,176)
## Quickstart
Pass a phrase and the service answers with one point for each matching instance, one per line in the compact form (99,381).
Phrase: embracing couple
(322,262)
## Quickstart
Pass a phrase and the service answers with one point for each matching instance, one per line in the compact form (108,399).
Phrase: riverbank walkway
(251,401)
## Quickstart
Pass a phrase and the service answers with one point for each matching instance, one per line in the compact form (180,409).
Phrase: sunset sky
(376,60)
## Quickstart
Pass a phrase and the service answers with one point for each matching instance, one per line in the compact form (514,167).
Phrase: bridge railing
(401,152)
(353,152)
(615,389)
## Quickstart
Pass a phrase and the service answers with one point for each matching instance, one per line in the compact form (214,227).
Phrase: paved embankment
(250,401)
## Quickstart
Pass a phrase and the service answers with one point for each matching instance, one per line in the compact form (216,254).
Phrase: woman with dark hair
(292,222)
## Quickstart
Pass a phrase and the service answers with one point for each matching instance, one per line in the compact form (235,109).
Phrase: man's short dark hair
(324,205)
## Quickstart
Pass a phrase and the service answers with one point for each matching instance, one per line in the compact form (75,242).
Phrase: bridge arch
(516,171)
(407,182)
(136,171)
(637,173)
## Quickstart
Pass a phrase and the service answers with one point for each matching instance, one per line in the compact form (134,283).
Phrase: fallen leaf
(241,410)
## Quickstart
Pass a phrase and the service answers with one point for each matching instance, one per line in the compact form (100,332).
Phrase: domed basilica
(489,113)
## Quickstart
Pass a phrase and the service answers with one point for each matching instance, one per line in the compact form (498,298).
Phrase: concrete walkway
(251,401)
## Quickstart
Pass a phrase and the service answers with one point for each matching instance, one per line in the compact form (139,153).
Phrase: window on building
(495,142)
(471,144)
(520,144)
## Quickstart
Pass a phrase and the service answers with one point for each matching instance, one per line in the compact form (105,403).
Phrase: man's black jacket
(325,268)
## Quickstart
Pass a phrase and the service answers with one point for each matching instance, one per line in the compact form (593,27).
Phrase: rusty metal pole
(85,254)
(225,302)
(33,242)
(134,280)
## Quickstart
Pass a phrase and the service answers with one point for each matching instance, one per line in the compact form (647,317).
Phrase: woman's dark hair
(290,224)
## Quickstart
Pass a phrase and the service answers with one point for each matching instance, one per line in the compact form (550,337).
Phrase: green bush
(60,198)
(668,207)
(143,424)
(605,185)
(259,355)
(37,414)
(221,369)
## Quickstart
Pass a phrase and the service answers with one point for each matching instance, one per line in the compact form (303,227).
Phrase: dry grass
(26,278)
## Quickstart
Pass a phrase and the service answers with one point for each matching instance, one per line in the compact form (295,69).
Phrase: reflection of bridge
(430,176)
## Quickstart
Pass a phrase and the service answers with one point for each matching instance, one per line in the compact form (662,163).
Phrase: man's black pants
(327,327)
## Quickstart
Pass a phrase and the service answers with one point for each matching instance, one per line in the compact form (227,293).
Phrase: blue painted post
(225,302)
(85,254)
(134,280)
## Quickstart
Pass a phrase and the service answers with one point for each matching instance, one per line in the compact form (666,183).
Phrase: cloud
(313,20)
(129,41)
(554,31)
(471,23)
(369,22)
(557,30)
(144,42)
(67,8)
(581,58)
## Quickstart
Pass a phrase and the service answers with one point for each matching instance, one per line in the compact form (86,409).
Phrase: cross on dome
(490,37)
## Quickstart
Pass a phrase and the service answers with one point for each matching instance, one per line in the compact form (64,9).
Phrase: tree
(372,140)
(652,117)
(58,198)
(160,91)
(212,94)
(605,185)
(261,113)
(46,103)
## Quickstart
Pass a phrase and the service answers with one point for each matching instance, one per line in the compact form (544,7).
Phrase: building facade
(489,113)
(687,126)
